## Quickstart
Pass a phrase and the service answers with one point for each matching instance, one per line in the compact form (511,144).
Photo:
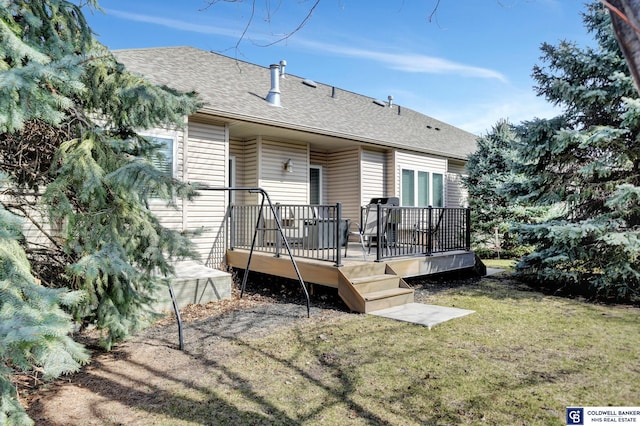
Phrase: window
(438,190)
(165,162)
(315,185)
(408,188)
(421,188)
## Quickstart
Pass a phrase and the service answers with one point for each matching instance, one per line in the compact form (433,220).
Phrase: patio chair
(345,232)
(422,231)
(368,229)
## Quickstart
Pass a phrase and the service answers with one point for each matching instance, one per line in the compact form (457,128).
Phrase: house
(304,142)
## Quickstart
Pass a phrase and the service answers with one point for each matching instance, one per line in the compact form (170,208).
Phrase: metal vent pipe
(273,97)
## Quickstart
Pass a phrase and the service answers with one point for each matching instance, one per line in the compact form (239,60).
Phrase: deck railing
(320,232)
(410,231)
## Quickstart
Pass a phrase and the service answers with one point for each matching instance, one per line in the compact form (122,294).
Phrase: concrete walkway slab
(422,314)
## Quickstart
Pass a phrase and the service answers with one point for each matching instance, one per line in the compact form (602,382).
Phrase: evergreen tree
(57,79)
(586,161)
(490,171)
(34,330)
(69,116)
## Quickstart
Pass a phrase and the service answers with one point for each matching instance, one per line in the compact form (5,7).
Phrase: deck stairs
(371,287)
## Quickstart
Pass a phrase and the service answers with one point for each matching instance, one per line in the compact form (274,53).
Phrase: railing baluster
(316,231)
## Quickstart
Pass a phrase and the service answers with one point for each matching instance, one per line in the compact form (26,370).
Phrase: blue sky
(469,66)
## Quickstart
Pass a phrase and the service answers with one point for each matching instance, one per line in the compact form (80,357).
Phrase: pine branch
(40,228)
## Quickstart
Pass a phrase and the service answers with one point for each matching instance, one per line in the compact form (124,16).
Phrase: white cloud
(480,117)
(409,62)
(174,23)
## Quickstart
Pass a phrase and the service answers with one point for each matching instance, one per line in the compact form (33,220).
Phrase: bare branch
(270,12)
(298,28)
(617,12)
(627,30)
(433,12)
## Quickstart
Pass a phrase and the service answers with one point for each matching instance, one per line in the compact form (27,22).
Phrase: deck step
(387,299)
(374,287)
(376,283)
(382,294)
(359,280)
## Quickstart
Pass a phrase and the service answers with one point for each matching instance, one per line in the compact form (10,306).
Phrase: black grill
(388,201)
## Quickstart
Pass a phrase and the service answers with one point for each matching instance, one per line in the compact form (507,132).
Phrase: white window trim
(320,178)
(165,134)
(415,171)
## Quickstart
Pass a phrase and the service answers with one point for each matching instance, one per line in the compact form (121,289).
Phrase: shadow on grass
(202,394)
(351,372)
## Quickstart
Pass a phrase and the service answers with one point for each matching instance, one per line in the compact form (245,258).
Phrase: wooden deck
(364,285)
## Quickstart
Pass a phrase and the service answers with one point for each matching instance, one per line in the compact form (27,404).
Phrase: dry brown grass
(520,359)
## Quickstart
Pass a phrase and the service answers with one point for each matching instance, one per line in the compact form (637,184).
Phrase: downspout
(185,171)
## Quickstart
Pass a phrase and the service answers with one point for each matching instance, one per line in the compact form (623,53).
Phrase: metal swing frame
(264,197)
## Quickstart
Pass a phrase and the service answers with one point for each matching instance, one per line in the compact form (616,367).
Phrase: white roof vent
(309,83)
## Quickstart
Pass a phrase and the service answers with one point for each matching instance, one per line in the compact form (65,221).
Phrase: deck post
(338,234)
(232,227)
(430,233)
(277,240)
(468,228)
(378,234)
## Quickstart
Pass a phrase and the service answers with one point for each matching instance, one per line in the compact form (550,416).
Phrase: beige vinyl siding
(390,167)
(416,161)
(237,150)
(35,212)
(343,170)
(170,216)
(251,169)
(282,186)
(207,164)
(373,175)
(457,194)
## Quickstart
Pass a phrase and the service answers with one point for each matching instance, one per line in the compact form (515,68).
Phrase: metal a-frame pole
(265,196)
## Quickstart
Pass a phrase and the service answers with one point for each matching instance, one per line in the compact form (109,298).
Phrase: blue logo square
(575,416)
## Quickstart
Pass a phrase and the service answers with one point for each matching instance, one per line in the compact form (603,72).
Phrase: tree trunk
(627,32)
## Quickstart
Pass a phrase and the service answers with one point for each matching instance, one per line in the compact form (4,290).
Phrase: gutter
(317,131)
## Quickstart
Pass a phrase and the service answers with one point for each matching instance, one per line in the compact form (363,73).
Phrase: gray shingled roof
(236,90)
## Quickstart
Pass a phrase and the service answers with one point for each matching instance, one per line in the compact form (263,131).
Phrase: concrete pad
(421,314)
(194,283)
(493,271)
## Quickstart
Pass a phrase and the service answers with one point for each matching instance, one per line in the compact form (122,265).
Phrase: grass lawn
(520,359)
(506,264)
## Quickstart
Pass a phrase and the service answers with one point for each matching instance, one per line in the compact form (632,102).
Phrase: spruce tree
(99,179)
(69,117)
(490,173)
(34,329)
(585,161)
